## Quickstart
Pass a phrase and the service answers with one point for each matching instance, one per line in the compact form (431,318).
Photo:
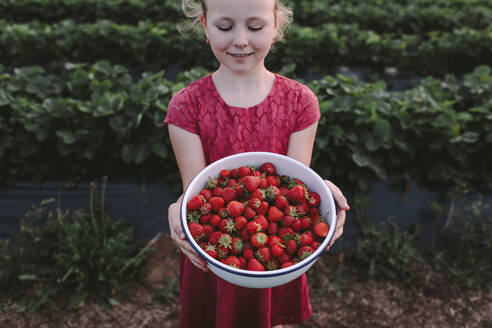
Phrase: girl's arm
(189,155)
(301,148)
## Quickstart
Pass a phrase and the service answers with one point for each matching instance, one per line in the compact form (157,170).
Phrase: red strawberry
(253,227)
(254,202)
(249,213)
(284,191)
(313,199)
(263,208)
(259,239)
(235,208)
(216,203)
(290,210)
(263,183)
(229,194)
(272,181)
(313,211)
(305,222)
(232,261)
(225,241)
(243,262)
(271,193)
(206,209)
(297,194)
(263,254)
(222,252)
(306,239)
(217,192)
(268,168)
(281,201)
(244,233)
(251,183)
(227,226)
(244,171)
(262,221)
(273,264)
(321,229)
(215,220)
(237,246)
(258,194)
(255,265)
(275,214)
(272,240)
(235,173)
(211,250)
(277,250)
(296,225)
(196,229)
(206,193)
(240,222)
(304,252)
(288,220)
(284,258)
(272,228)
(204,219)
(208,229)
(291,246)
(224,174)
(238,188)
(302,208)
(195,202)
(248,252)
(231,182)
(286,264)
(314,245)
(223,212)
(285,232)
(214,237)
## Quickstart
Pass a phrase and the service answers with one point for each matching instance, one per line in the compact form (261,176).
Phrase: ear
(203,20)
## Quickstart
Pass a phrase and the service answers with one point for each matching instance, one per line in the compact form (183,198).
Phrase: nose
(240,38)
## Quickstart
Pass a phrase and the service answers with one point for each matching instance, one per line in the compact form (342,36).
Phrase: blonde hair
(195,8)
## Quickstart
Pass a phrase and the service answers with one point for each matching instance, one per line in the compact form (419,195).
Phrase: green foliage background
(83,94)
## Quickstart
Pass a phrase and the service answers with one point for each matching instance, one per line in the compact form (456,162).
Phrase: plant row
(156,46)
(397,17)
(93,120)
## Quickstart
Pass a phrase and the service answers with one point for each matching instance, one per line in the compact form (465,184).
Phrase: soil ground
(436,303)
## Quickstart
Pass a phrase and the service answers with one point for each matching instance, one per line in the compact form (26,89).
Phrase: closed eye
(224,28)
(255,28)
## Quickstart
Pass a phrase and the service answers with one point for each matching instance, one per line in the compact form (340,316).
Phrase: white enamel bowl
(285,166)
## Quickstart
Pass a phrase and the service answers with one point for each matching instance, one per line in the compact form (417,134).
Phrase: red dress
(205,299)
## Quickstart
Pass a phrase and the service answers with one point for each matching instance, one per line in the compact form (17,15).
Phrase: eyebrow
(249,19)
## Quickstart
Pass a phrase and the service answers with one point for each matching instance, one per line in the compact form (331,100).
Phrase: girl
(240,107)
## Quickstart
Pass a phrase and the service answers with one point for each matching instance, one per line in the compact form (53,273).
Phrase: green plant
(71,255)
(466,252)
(383,251)
(167,291)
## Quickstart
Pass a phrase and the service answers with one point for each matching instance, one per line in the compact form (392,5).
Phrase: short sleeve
(307,109)
(182,112)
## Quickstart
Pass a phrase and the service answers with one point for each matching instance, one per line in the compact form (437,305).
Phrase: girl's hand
(178,236)
(341,202)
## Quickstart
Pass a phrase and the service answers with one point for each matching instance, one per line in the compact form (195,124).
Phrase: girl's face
(241,32)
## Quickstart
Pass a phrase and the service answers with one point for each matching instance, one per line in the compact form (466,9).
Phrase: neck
(247,80)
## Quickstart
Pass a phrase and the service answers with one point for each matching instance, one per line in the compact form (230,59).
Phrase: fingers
(179,238)
(338,196)
(341,216)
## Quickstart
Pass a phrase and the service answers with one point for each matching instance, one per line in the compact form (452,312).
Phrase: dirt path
(382,304)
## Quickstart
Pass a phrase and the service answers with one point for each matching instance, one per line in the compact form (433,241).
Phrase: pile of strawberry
(255,219)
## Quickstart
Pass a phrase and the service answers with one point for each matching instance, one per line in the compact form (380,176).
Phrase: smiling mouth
(241,55)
